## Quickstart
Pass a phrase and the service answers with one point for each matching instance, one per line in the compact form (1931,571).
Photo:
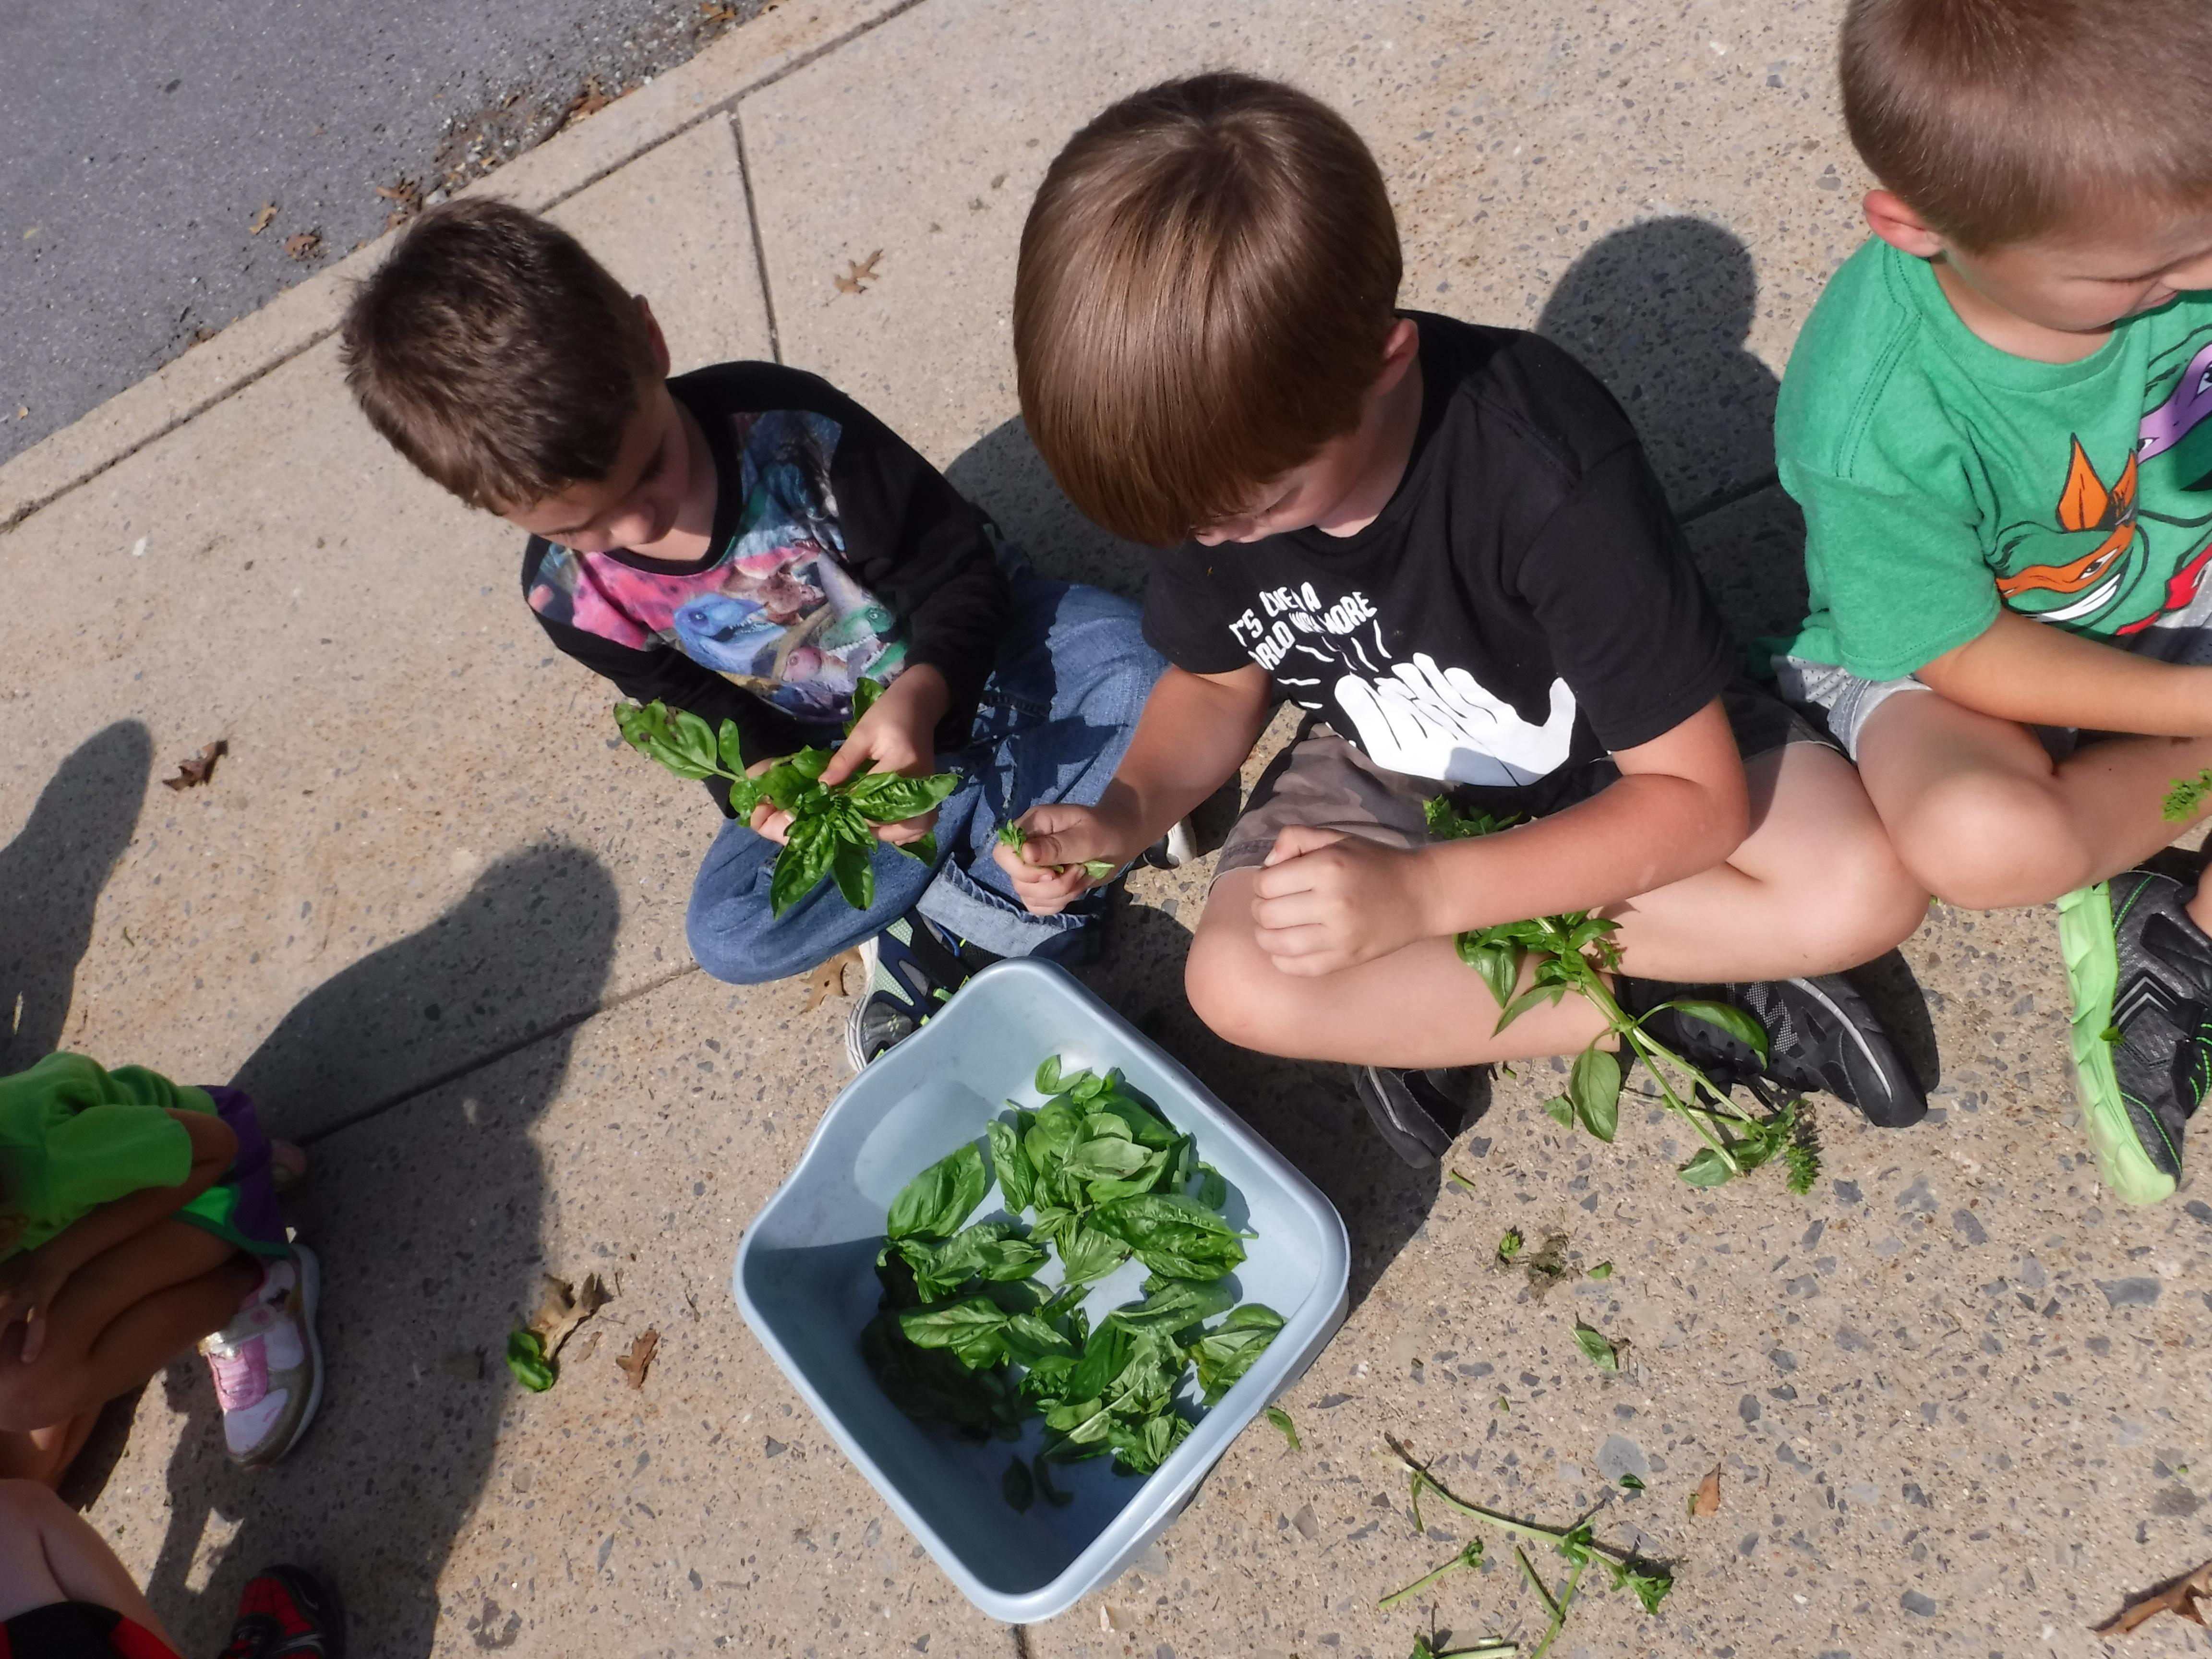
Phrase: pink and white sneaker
(267,1361)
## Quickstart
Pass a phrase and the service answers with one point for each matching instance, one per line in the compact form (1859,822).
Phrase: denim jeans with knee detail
(1056,715)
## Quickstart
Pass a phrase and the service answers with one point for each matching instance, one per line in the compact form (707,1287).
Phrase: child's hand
(1063,835)
(28,1283)
(768,819)
(1325,901)
(898,734)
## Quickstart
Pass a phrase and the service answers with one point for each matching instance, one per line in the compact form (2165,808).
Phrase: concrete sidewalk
(431,916)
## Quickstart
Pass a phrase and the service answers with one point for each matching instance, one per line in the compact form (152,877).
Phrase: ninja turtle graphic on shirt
(2129,546)
(774,608)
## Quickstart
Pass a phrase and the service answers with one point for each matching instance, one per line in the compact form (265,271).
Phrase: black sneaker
(1420,1113)
(286,1614)
(1820,1034)
(913,969)
(2141,973)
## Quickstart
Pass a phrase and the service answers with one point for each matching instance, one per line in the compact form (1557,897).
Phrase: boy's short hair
(1206,287)
(1999,120)
(497,356)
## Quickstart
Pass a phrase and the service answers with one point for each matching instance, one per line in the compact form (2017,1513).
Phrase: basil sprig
(832,832)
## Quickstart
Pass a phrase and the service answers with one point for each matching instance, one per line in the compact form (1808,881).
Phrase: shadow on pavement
(1002,473)
(50,877)
(428,1219)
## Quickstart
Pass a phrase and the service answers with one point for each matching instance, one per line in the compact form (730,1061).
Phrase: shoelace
(234,1377)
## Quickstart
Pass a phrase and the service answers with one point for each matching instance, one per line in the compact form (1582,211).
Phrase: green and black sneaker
(2141,973)
(913,968)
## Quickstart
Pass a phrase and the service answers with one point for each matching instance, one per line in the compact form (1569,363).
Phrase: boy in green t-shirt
(1998,421)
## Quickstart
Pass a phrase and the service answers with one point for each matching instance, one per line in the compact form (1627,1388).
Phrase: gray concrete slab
(330,918)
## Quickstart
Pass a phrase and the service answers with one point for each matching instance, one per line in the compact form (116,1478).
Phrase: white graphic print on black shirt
(1525,602)
(1412,717)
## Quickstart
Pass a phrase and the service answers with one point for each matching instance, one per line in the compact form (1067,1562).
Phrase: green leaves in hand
(1013,836)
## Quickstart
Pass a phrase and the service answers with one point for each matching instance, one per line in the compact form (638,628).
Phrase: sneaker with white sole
(267,1361)
(912,969)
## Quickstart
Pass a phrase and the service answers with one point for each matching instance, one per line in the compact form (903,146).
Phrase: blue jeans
(1057,713)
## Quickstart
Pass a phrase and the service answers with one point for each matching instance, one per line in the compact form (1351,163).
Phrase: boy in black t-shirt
(1445,543)
(747,543)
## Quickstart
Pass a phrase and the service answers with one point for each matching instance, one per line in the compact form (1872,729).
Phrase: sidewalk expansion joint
(1714,502)
(560,1027)
(752,224)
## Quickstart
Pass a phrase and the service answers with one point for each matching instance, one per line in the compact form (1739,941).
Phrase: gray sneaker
(267,1361)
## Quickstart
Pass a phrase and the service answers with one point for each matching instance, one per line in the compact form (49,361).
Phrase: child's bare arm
(48,1553)
(1326,901)
(1195,731)
(2019,669)
(28,1282)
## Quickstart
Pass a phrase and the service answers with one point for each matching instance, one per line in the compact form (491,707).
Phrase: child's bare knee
(1229,989)
(35,1397)
(1984,840)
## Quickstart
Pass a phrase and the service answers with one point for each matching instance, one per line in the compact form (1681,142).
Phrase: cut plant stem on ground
(1650,1580)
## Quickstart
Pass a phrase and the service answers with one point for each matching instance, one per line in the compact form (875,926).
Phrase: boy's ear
(1890,218)
(1401,347)
(660,357)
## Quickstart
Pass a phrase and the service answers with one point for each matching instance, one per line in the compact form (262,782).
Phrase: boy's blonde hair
(1998,121)
(1205,287)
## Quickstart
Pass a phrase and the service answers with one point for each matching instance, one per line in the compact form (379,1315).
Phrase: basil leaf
(864,698)
(855,872)
(1595,1087)
(1146,1178)
(1048,1076)
(1031,1341)
(1175,1236)
(1561,1110)
(801,865)
(1105,1158)
(1104,1356)
(1086,1254)
(932,1386)
(1539,992)
(1224,1353)
(1175,1306)
(990,1250)
(526,1358)
(1212,1190)
(938,1201)
(1052,1138)
(655,731)
(891,798)
(810,763)
(1707,1169)
(693,738)
(1727,1016)
(922,850)
(1017,1179)
(731,749)
(1281,1419)
(1600,1351)
(1144,1129)
(973,1330)
(1141,1449)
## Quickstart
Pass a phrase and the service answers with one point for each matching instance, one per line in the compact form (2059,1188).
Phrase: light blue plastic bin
(807,1284)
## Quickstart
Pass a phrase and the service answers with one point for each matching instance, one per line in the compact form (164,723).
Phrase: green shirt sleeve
(1895,573)
(106,1152)
(74,1136)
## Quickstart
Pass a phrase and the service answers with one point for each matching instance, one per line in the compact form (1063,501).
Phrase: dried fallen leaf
(1708,1500)
(200,769)
(828,980)
(640,1356)
(858,274)
(590,101)
(591,1346)
(563,1308)
(406,192)
(307,246)
(2179,1598)
(263,220)
(712,11)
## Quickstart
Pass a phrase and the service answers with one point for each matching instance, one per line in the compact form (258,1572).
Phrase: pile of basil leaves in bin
(1101,1177)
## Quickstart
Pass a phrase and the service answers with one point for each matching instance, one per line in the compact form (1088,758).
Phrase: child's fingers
(1302,950)
(35,1334)
(771,821)
(907,829)
(1300,838)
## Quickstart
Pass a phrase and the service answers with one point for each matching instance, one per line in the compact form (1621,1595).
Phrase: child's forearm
(1640,834)
(214,1149)
(1195,734)
(2021,670)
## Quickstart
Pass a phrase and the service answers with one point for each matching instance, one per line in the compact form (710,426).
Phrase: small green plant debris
(1094,1177)
(532,1351)
(1459,1181)
(526,1358)
(1494,1647)
(1013,836)
(1599,1350)
(2112,1033)
(1574,952)
(1603,1270)
(832,832)
(1509,1244)
(2186,795)
(1630,1483)
(1468,1560)
(1649,1580)
(1281,1419)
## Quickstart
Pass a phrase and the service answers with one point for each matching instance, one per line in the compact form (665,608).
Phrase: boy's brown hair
(497,356)
(1998,121)
(1205,285)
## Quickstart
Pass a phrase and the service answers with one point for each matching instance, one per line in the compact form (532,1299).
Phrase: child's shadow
(50,877)
(427,1215)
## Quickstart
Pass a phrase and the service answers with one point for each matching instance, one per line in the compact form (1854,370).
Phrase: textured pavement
(433,919)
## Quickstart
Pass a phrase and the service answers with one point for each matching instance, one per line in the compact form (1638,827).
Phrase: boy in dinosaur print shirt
(1996,423)
(747,543)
